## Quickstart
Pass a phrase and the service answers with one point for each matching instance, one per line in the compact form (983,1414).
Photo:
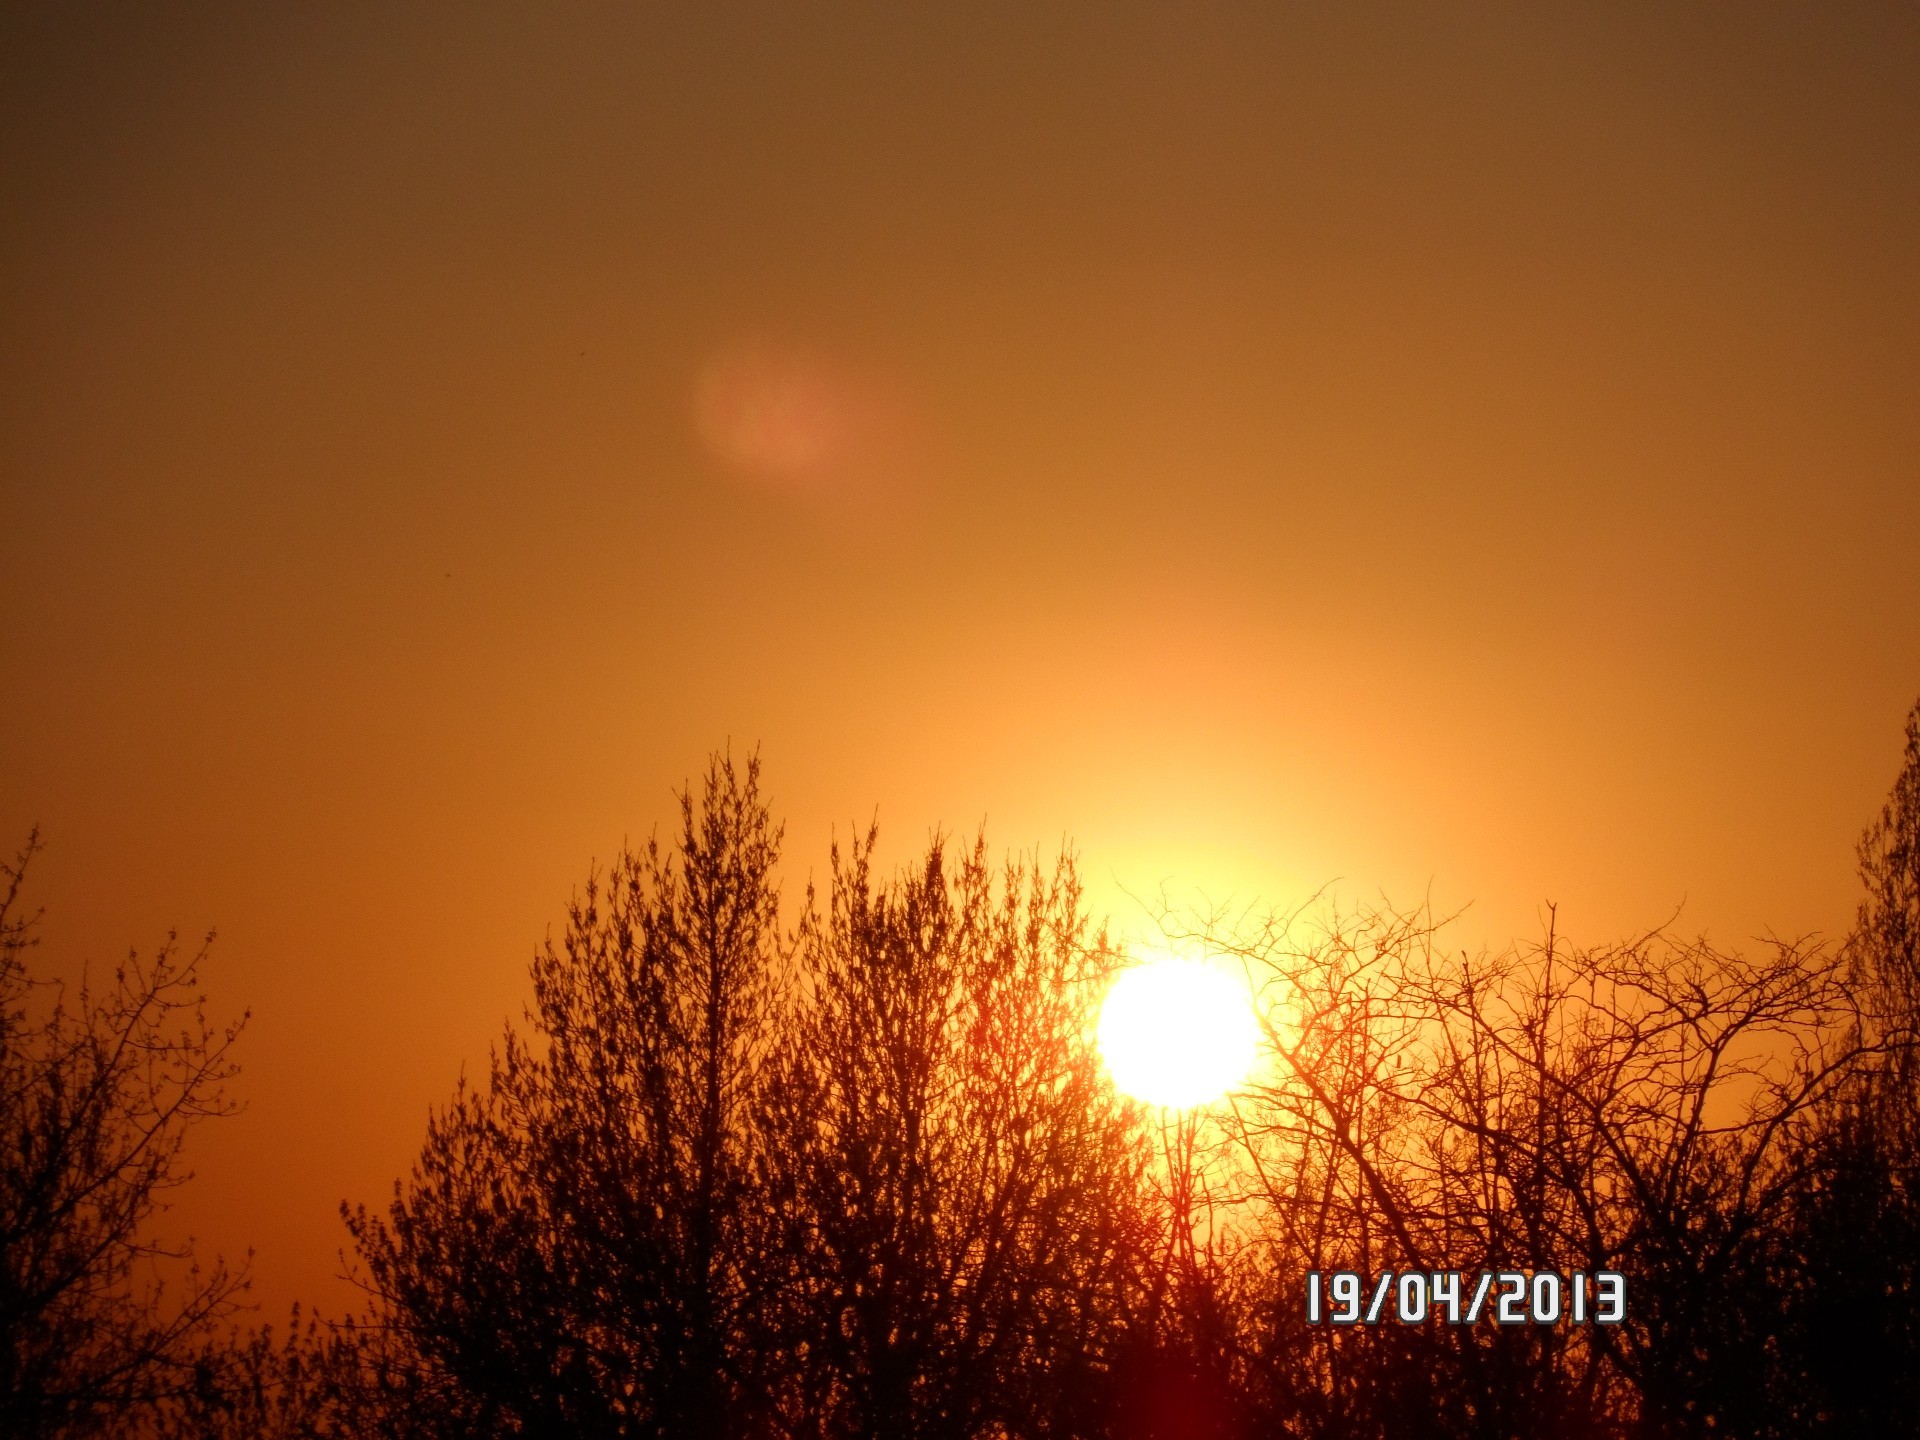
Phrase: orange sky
(1414,448)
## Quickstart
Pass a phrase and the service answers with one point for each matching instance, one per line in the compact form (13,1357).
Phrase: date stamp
(1508,1297)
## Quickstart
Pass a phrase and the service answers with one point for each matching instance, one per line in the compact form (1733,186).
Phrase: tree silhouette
(1640,1108)
(864,1178)
(98,1091)
(881,1191)
(1848,1252)
(571,1252)
(1886,938)
(960,1231)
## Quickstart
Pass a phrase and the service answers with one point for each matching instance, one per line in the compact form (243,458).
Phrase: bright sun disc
(1177,1033)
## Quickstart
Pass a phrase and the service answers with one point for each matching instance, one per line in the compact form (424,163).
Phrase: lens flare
(801,420)
(1178,1033)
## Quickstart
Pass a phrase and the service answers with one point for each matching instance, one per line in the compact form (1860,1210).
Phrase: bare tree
(1848,1253)
(1886,938)
(98,1091)
(1638,1108)
(882,1191)
(569,1256)
(959,1189)
(870,1182)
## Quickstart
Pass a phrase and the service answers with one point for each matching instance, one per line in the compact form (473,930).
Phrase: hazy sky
(1467,449)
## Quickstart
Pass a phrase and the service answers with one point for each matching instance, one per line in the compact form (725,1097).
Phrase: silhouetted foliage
(868,1184)
(573,1254)
(958,1232)
(901,1200)
(1886,940)
(1644,1108)
(97,1093)
(1846,1334)
(863,1178)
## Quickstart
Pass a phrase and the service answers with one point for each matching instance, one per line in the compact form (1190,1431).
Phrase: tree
(570,1256)
(1886,937)
(871,1185)
(1848,1251)
(867,1180)
(960,1230)
(1639,1108)
(98,1092)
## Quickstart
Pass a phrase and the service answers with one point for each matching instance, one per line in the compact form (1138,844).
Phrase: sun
(1178,1033)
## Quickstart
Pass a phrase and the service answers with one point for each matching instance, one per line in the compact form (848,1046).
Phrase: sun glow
(1178,1033)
